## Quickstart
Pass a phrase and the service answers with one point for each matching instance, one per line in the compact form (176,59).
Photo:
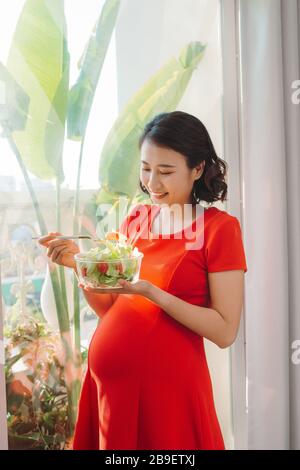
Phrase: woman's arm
(219,323)
(62,252)
(100,303)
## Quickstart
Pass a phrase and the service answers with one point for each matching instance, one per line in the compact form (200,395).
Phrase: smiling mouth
(159,195)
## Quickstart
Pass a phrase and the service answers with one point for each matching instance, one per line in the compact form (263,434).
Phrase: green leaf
(39,63)
(119,162)
(14,102)
(82,93)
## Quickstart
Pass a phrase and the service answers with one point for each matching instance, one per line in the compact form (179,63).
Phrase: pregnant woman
(147,384)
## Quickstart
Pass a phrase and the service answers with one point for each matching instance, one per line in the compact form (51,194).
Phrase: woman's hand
(60,251)
(140,287)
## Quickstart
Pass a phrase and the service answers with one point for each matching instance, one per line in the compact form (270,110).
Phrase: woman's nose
(154,182)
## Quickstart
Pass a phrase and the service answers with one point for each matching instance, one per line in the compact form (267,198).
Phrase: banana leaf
(82,93)
(119,162)
(39,62)
(14,103)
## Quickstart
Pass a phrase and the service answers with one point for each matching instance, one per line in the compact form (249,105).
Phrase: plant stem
(36,206)
(76,232)
(61,269)
(71,358)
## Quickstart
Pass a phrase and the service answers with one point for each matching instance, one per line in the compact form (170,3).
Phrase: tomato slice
(112,236)
(102,268)
(84,272)
(115,236)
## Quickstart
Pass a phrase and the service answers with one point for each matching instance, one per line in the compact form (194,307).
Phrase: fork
(72,237)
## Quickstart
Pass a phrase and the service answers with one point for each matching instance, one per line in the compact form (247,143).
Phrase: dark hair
(187,135)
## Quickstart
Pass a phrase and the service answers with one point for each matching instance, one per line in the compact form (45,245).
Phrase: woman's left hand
(141,287)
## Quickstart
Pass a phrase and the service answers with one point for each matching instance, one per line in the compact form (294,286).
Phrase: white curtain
(270,145)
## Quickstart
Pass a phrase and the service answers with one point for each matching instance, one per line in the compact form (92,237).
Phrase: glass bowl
(106,274)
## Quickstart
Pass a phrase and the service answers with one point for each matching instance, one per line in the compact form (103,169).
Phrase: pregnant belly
(129,342)
(118,344)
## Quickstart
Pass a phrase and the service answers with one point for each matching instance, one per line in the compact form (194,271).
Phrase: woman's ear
(199,170)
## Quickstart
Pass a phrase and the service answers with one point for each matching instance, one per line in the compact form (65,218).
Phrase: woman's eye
(146,169)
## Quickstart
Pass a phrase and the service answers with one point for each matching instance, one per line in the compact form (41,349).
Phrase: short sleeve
(224,246)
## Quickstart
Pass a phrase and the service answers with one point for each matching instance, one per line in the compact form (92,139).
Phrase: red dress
(147,384)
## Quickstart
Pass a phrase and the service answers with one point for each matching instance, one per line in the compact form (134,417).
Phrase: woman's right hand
(60,251)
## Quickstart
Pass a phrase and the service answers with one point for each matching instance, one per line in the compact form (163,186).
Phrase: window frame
(230,34)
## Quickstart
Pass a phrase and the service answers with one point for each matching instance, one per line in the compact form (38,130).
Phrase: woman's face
(166,175)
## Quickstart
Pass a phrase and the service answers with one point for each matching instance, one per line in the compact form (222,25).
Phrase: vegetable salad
(110,261)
